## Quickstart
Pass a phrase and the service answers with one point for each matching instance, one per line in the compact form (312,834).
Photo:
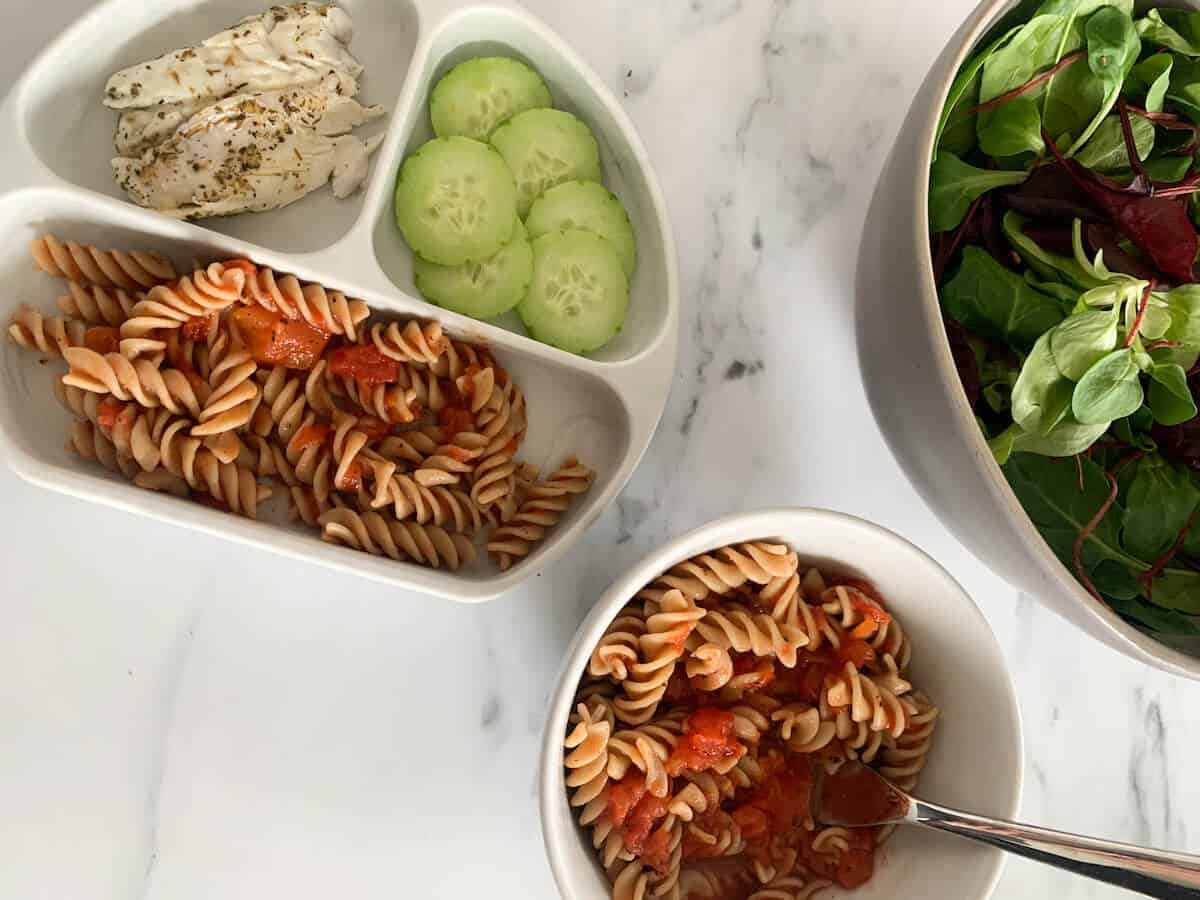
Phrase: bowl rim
(1135,642)
(731,528)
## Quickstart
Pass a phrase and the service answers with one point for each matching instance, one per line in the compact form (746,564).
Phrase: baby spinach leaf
(1066,438)
(1078,99)
(1169,398)
(1108,390)
(1066,294)
(953,184)
(1037,45)
(1152,77)
(995,302)
(1171,28)
(1049,491)
(1016,128)
(956,126)
(1041,396)
(1158,621)
(1002,444)
(1115,580)
(1177,589)
(1159,502)
(1082,340)
(1106,152)
(1183,90)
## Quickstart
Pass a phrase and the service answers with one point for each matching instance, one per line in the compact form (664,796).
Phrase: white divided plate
(56,179)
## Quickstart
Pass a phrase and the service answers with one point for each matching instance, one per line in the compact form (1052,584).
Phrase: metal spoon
(857,796)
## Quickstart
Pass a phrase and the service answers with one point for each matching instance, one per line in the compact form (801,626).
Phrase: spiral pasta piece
(427,545)
(725,570)
(457,357)
(328,311)
(617,650)
(390,403)
(412,342)
(867,701)
(138,380)
(790,887)
(659,648)
(587,761)
(736,628)
(233,397)
(168,307)
(802,728)
(98,305)
(90,442)
(106,268)
(709,666)
(543,507)
(50,335)
(284,405)
(904,760)
(646,748)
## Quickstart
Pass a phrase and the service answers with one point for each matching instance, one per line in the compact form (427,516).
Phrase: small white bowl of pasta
(710,682)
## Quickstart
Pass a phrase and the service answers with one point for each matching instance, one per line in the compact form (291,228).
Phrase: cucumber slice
(455,200)
(577,298)
(545,147)
(477,95)
(480,289)
(588,205)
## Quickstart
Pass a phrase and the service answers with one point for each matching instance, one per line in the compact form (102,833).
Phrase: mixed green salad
(1063,209)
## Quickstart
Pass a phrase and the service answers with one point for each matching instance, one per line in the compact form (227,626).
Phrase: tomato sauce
(198,328)
(365,363)
(454,420)
(707,742)
(102,339)
(107,411)
(275,341)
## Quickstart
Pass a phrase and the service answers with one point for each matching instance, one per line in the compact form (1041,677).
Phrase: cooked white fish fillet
(252,152)
(286,46)
(138,129)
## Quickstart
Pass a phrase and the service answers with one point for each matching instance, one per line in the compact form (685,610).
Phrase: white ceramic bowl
(975,761)
(914,390)
(55,177)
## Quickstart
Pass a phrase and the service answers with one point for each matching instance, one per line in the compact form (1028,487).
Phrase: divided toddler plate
(56,179)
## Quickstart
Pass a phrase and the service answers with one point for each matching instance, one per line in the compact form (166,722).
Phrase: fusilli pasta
(388,437)
(704,792)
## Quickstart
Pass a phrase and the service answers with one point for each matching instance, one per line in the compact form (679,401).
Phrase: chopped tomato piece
(364,363)
(625,794)
(869,609)
(310,436)
(197,328)
(455,420)
(640,821)
(275,341)
(373,427)
(752,821)
(107,411)
(351,479)
(856,651)
(656,851)
(706,743)
(102,339)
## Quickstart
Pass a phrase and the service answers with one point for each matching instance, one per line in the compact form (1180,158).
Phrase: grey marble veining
(204,720)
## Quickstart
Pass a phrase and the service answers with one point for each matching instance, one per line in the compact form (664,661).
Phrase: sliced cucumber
(588,205)
(455,200)
(577,298)
(477,95)
(545,147)
(480,289)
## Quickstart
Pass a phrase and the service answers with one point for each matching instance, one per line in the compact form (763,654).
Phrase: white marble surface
(182,718)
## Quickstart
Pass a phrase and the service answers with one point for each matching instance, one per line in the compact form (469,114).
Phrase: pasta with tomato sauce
(709,707)
(388,436)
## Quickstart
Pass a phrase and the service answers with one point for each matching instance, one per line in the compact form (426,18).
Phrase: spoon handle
(1155,873)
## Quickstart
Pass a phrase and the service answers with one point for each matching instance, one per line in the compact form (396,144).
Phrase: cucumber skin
(542,323)
(588,205)
(443,110)
(513,141)
(431,280)
(418,244)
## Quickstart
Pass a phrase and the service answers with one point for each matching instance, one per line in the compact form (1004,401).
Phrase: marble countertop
(184,718)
